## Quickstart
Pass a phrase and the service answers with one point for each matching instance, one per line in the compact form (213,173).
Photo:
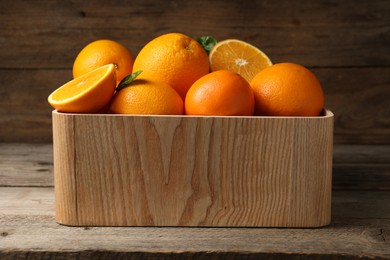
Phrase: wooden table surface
(360,218)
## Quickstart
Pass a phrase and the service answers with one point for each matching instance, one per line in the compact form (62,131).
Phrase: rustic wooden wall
(346,43)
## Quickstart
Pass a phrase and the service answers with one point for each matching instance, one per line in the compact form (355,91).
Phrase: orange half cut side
(86,94)
(238,56)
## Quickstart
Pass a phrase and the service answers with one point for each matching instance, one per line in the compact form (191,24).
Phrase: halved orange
(238,56)
(86,94)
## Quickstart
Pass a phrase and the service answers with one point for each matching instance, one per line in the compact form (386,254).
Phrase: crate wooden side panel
(199,171)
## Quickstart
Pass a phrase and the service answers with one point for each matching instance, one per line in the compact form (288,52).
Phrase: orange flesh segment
(239,57)
(77,86)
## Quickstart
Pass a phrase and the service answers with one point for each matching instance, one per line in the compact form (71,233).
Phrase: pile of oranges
(175,74)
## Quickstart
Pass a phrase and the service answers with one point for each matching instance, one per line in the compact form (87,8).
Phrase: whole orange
(147,97)
(220,93)
(103,52)
(287,89)
(173,58)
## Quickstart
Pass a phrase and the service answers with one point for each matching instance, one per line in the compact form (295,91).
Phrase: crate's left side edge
(64,171)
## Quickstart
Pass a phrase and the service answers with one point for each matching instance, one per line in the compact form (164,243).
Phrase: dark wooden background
(346,43)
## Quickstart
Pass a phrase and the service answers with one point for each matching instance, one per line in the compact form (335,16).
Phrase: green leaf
(207,43)
(127,80)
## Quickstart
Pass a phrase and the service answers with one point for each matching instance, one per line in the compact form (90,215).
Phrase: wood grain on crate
(192,171)
(345,43)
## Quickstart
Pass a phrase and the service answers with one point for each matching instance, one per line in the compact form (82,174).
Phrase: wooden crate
(122,170)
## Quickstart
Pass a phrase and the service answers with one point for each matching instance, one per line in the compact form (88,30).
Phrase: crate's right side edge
(311,176)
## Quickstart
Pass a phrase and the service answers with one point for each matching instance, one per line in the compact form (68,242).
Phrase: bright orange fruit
(173,58)
(86,94)
(147,97)
(103,52)
(238,56)
(287,89)
(220,93)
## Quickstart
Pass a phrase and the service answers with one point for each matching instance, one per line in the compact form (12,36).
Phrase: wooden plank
(361,177)
(26,201)
(26,91)
(363,205)
(25,128)
(361,167)
(320,33)
(361,154)
(359,229)
(25,114)
(357,96)
(45,238)
(26,164)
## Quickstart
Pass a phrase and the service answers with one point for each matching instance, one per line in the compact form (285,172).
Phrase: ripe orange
(86,94)
(147,97)
(102,52)
(287,89)
(220,93)
(173,58)
(238,56)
